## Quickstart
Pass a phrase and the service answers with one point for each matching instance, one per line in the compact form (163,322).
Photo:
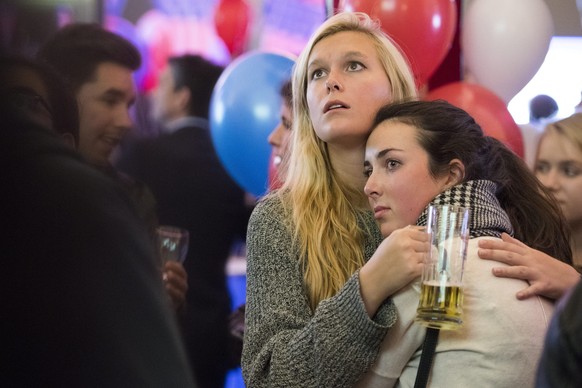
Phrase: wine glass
(172,243)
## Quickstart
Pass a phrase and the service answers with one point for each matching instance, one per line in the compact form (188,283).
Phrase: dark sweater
(82,301)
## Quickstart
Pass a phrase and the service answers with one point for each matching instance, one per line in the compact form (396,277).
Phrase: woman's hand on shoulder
(397,261)
(546,275)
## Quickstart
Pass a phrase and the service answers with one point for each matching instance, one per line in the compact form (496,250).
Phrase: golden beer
(440,306)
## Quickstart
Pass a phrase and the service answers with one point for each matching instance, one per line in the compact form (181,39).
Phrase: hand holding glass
(441,293)
(172,243)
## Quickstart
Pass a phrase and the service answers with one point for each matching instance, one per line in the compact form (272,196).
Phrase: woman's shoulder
(478,278)
(270,200)
(269,212)
(270,206)
(268,228)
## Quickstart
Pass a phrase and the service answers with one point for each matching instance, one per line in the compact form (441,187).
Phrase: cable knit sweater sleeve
(285,343)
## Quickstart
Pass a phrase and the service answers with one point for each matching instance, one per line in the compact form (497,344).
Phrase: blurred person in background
(542,109)
(279,139)
(561,358)
(36,92)
(98,66)
(280,136)
(559,167)
(82,300)
(194,191)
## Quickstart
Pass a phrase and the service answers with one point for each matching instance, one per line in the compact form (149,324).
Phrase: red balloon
(424,29)
(488,110)
(232,20)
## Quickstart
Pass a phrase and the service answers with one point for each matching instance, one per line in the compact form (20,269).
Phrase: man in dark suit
(82,302)
(194,191)
(98,66)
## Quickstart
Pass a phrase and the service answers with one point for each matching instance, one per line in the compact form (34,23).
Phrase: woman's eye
(392,164)
(354,66)
(571,171)
(541,168)
(287,124)
(367,171)
(317,74)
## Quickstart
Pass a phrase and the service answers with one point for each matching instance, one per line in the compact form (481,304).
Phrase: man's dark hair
(199,76)
(77,49)
(542,106)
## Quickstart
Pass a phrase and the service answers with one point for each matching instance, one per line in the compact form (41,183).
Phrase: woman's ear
(456,173)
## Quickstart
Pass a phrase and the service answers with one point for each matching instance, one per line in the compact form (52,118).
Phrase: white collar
(187,121)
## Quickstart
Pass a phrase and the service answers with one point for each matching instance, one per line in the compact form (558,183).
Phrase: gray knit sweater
(285,343)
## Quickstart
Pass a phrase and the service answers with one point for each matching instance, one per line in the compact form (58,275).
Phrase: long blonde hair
(322,207)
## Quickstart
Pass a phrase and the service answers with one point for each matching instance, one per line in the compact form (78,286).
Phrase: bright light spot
(559,77)
(262,111)
(436,22)
(389,5)
(218,110)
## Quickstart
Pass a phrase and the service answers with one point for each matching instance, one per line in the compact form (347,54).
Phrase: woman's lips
(379,211)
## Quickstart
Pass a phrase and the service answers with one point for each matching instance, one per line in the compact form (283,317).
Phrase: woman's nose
(371,188)
(332,84)
(274,138)
(551,180)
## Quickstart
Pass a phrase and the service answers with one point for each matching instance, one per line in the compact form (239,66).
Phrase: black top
(561,361)
(81,299)
(193,191)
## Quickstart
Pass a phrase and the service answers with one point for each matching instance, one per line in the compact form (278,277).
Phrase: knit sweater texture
(286,344)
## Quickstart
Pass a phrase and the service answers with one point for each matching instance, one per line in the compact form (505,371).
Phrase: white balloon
(504,42)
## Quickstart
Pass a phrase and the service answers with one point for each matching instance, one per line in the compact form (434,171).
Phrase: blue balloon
(244,109)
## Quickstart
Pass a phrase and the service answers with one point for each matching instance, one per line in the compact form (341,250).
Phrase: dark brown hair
(76,50)
(286,92)
(448,132)
(198,75)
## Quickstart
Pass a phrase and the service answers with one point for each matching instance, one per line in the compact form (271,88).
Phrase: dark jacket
(561,361)
(194,191)
(82,301)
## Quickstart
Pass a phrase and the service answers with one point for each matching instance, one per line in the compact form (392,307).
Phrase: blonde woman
(559,167)
(317,286)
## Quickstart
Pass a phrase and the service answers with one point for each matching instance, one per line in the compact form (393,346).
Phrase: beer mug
(441,292)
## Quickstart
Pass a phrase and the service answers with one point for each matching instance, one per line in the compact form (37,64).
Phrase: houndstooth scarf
(487,218)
